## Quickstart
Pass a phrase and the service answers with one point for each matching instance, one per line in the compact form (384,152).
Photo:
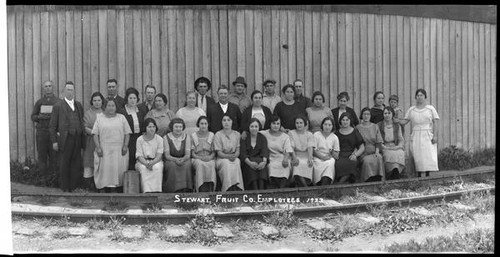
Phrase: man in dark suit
(149,99)
(67,137)
(112,86)
(202,85)
(216,111)
(302,100)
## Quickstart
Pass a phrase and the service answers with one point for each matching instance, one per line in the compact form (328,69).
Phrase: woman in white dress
(190,113)
(326,151)
(280,151)
(227,145)
(203,157)
(149,151)
(423,139)
(302,142)
(393,146)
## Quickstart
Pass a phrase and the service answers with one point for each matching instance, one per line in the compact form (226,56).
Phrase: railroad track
(178,208)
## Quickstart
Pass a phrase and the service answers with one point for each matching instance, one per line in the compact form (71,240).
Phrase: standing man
(218,110)
(41,116)
(149,99)
(112,86)
(303,101)
(66,133)
(239,97)
(202,85)
(270,98)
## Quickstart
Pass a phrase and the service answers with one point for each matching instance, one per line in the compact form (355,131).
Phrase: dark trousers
(70,170)
(132,148)
(47,157)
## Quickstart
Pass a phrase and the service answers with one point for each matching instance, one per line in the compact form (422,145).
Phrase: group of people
(238,143)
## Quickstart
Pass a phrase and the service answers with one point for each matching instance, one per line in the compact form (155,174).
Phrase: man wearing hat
(238,96)
(270,98)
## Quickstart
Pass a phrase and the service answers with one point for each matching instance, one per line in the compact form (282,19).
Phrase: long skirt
(323,169)
(277,170)
(88,158)
(109,169)
(177,177)
(132,147)
(302,169)
(423,151)
(250,175)
(394,159)
(229,173)
(371,166)
(344,166)
(204,172)
(150,179)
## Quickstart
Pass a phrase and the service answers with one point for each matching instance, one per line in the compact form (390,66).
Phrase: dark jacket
(354,121)
(120,102)
(42,120)
(140,116)
(60,123)
(144,107)
(247,115)
(215,114)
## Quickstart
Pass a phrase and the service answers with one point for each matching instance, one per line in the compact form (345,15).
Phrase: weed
(244,225)
(455,158)
(282,219)
(485,156)
(28,173)
(60,234)
(115,206)
(484,201)
(476,241)
(153,207)
(203,236)
(115,223)
(117,235)
(95,224)
(377,210)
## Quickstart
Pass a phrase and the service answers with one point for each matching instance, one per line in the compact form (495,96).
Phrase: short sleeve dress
(344,166)
(190,117)
(392,136)
(316,116)
(229,171)
(371,165)
(148,149)
(177,177)
(278,146)
(325,146)
(300,142)
(204,171)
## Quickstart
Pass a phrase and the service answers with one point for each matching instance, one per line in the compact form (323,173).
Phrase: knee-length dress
(190,117)
(424,152)
(392,136)
(300,142)
(254,154)
(150,179)
(278,146)
(229,171)
(371,165)
(89,119)
(325,146)
(344,166)
(177,177)
(109,169)
(203,171)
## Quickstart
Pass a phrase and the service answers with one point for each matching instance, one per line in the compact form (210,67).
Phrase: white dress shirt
(71,103)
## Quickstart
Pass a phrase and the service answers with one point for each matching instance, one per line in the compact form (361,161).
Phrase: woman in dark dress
(254,155)
(342,99)
(256,110)
(378,109)
(288,109)
(351,147)
(135,119)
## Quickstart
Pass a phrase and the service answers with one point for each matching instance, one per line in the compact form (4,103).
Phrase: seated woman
(372,164)
(351,146)
(203,157)
(393,146)
(111,135)
(280,150)
(254,155)
(317,112)
(326,151)
(149,151)
(178,176)
(227,145)
(302,142)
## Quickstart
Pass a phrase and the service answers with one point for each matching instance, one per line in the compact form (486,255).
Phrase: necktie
(202,99)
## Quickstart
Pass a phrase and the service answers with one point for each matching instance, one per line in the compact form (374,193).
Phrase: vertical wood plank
(70,51)
(445,104)
(436,73)
(300,52)
(465,85)
(129,49)
(349,57)
(176,100)
(420,52)
(121,59)
(138,47)
(308,49)
(452,84)
(205,47)
(341,41)
(112,47)
(12,81)
(103,51)
(240,45)
(414,56)
(27,97)
(292,46)
(45,47)
(37,57)
(459,76)
(405,95)
(94,51)
(471,82)
(249,52)
(198,41)
(267,46)
(364,62)
(493,82)
(379,82)
(372,59)
(334,86)
(225,65)
(284,52)
(188,55)
(275,48)
(487,55)
(163,84)
(172,53)
(476,105)
(233,47)
(21,109)
(146,48)
(315,84)
(53,52)
(86,55)
(78,61)
(356,62)
(156,51)
(61,48)
(393,61)
(215,50)
(427,57)
(386,54)
(482,88)
(258,49)
(400,57)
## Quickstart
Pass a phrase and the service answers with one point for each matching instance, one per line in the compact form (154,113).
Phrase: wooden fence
(455,61)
